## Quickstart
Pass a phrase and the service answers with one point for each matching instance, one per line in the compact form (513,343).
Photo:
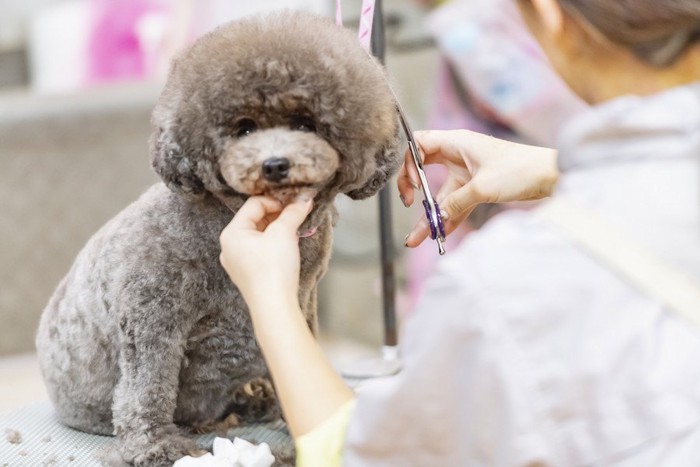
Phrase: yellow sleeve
(323,446)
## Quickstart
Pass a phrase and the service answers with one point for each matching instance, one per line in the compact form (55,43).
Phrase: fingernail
(405,240)
(444,215)
(306,203)
(403,200)
(414,185)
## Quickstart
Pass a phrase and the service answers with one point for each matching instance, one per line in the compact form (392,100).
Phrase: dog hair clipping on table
(239,453)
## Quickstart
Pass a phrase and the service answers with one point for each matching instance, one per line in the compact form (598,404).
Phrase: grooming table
(45,442)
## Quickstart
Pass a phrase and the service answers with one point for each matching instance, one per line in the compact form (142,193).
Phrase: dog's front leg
(152,349)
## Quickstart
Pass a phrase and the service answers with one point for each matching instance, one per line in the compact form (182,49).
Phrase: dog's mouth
(286,194)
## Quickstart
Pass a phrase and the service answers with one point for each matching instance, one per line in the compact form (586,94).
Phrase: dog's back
(147,247)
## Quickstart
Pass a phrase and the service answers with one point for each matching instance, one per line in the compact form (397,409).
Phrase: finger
(451,185)
(253,211)
(406,190)
(292,216)
(440,147)
(420,232)
(452,224)
(462,201)
(408,181)
(430,142)
(267,220)
(410,166)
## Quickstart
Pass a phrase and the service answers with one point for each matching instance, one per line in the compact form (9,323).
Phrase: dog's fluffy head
(275,104)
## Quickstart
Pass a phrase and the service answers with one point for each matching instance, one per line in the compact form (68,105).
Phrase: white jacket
(528,351)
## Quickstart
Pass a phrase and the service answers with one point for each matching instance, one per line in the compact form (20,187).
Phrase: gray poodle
(147,334)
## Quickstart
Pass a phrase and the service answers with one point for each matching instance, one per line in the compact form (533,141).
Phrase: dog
(146,337)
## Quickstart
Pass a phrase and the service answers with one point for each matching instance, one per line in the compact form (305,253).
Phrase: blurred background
(79,78)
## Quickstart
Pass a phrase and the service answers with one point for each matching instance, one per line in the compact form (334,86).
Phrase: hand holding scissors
(432,210)
(480,169)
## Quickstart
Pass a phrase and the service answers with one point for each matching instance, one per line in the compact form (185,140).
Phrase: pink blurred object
(449,110)
(493,79)
(118,47)
(78,43)
(502,67)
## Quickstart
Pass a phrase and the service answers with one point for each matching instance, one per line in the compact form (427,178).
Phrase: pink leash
(364,32)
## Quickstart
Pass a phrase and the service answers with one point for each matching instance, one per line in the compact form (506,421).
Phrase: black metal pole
(386,234)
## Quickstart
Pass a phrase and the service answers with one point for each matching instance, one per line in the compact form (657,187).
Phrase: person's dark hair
(657,31)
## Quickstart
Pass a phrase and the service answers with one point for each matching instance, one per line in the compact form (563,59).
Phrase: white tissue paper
(239,453)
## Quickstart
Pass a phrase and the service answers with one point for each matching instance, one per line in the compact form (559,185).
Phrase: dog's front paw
(256,401)
(162,451)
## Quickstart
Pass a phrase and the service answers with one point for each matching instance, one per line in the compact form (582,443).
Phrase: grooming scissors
(432,210)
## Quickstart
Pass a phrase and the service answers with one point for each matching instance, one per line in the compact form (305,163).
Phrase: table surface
(32,437)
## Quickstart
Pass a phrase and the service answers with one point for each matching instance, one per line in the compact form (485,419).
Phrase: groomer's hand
(260,251)
(481,169)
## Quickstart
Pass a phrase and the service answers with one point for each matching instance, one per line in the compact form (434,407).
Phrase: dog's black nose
(275,169)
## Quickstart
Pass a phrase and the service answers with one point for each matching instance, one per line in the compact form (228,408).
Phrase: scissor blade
(432,210)
(412,146)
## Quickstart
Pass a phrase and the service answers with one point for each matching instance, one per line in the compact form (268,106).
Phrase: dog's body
(146,331)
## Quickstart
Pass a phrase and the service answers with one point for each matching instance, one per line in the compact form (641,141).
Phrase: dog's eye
(245,126)
(303,124)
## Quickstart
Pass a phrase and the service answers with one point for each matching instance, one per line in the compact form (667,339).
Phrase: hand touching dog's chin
(288,194)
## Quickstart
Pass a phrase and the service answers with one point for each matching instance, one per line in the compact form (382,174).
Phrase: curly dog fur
(146,334)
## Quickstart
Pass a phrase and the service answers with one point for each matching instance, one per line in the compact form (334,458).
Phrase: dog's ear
(387,163)
(173,165)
